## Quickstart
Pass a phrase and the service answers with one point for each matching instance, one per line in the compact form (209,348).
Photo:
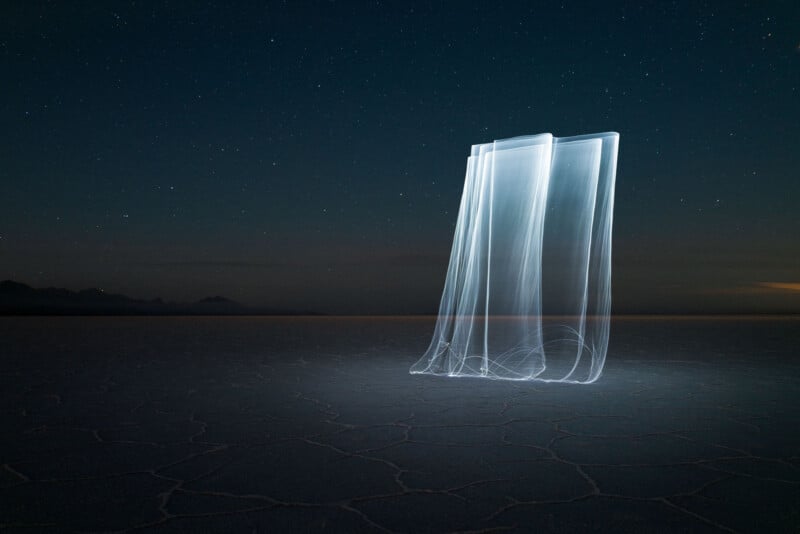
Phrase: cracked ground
(314,424)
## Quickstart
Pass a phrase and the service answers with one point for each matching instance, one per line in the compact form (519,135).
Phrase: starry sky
(311,155)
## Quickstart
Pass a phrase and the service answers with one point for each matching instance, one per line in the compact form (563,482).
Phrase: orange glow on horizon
(788,286)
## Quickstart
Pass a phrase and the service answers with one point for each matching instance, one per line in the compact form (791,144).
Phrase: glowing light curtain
(528,289)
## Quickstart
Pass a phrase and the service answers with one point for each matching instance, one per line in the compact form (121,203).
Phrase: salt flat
(314,424)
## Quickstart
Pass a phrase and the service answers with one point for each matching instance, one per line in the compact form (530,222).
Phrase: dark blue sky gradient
(312,155)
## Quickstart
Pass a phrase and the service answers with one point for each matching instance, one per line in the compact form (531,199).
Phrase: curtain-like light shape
(528,289)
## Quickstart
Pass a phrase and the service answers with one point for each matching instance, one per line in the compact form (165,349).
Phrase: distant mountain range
(21,299)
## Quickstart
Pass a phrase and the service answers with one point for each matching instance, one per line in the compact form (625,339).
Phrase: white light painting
(528,288)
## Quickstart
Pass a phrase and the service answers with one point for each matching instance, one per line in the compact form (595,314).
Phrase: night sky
(312,155)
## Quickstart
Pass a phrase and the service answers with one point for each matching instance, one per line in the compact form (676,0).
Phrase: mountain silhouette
(17,298)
